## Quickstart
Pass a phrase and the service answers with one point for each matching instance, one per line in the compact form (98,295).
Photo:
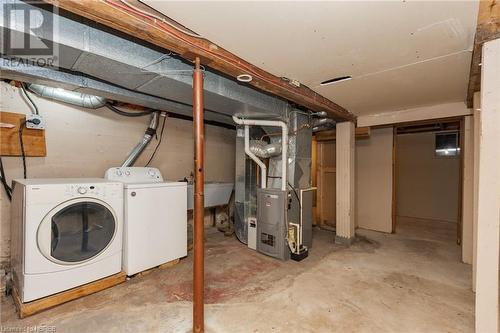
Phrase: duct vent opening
(336,80)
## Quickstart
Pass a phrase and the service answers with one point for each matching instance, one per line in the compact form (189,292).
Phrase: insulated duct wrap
(322,124)
(68,96)
(264,150)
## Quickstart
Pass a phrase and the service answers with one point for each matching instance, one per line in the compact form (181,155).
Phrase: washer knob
(151,172)
(82,190)
(127,173)
(119,172)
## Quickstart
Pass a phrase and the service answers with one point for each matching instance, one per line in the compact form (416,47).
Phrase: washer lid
(154,185)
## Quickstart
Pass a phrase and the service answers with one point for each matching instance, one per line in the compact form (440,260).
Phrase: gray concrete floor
(411,281)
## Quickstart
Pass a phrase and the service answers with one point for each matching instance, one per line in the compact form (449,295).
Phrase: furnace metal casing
(272,205)
(300,196)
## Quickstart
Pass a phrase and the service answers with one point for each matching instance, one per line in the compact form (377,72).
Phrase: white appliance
(65,233)
(215,194)
(155,215)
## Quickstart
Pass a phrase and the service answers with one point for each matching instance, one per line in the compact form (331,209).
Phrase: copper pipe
(199,200)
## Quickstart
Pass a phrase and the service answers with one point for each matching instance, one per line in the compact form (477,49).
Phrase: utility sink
(216,194)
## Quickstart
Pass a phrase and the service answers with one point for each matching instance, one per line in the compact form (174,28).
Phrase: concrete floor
(411,281)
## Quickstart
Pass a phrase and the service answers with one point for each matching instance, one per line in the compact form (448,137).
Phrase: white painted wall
(374,180)
(427,186)
(488,209)
(84,143)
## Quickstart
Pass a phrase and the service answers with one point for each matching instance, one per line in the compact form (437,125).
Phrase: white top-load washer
(155,215)
(65,233)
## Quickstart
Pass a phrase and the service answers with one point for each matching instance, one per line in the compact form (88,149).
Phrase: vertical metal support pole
(199,200)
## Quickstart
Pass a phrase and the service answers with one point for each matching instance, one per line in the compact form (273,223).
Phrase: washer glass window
(81,231)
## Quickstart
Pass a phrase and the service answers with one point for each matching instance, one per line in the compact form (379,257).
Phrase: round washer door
(76,231)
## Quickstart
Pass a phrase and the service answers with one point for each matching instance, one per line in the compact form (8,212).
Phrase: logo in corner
(28,29)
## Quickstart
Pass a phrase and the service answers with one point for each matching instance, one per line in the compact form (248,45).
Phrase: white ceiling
(401,54)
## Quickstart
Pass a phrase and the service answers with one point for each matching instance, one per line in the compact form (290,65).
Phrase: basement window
(447,144)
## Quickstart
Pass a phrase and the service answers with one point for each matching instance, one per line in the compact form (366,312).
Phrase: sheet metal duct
(133,65)
(75,82)
(299,172)
(265,150)
(71,97)
(146,139)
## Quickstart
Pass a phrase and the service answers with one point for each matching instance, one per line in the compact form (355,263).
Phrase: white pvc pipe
(263,169)
(284,142)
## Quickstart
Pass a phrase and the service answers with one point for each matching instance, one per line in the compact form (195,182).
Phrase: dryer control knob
(82,190)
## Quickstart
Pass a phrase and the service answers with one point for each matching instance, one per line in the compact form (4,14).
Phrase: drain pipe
(284,142)
(262,165)
(148,135)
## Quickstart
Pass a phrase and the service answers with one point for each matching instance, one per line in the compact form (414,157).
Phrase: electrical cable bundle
(23,154)
(159,141)
(22,125)
(128,114)
(35,107)
(3,179)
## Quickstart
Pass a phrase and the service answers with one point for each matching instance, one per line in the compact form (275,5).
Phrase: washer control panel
(134,175)
(95,190)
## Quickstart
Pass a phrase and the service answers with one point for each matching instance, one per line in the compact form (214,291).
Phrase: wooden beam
(488,28)
(119,16)
(360,133)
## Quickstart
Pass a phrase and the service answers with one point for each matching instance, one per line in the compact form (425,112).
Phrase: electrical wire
(160,59)
(159,140)
(23,88)
(3,179)
(23,154)
(129,114)
(295,191)
(189,33)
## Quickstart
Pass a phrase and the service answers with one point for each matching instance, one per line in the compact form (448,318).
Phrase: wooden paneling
(34,140)
(326,174)
(118,15)
(360,133)
(326,201)
(394,178)
(314,179)
(488,28)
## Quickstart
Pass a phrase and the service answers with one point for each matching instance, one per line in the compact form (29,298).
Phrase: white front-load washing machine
(65,233)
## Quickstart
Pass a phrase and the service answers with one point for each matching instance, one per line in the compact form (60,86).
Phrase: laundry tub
(216,194)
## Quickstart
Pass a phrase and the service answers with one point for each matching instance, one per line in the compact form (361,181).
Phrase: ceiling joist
(119,16)
(488,28)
